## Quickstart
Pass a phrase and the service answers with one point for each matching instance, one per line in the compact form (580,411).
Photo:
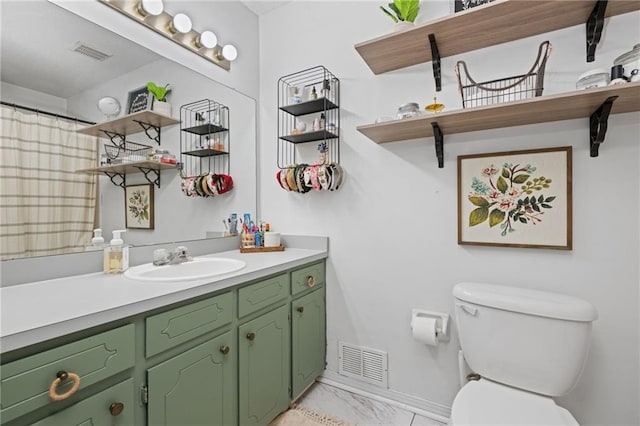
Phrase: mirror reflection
(63,66)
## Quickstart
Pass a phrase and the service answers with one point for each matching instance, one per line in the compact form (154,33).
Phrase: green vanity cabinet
(196,387)
(308,340)
(112,407)
(264,367)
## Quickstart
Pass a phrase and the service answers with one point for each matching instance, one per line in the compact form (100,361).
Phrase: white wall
(32,98)
(392,226)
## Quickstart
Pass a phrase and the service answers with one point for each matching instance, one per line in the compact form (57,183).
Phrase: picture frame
(462,5)
(139,100)
(138,205)
(516,199)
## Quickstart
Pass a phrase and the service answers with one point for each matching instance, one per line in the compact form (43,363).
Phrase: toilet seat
(484,402)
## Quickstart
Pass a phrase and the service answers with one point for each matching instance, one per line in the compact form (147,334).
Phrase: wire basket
(127,153)
(508,89)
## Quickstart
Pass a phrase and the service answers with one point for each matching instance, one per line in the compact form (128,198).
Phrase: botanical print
(520,198)
(139,206)
(510,199)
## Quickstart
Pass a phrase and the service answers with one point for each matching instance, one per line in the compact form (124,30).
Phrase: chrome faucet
(179,255)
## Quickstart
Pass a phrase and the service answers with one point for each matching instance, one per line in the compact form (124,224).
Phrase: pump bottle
(116,255)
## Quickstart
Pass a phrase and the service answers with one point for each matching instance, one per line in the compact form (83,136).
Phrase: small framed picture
(138,204)
(460,5)
(516,199)
(139,100)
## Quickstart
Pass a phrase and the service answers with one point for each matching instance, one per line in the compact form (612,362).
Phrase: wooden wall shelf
(483,26)
(565,106)
(129,124)
(118,172)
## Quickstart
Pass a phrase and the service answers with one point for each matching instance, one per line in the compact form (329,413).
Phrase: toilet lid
(484,402)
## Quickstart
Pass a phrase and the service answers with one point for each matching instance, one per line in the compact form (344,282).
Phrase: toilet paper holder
(442,322)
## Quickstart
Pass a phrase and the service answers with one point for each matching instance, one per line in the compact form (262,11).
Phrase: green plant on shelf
(158,92)
(403,10)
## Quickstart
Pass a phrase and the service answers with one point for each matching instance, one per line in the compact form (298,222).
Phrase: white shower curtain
(45,206)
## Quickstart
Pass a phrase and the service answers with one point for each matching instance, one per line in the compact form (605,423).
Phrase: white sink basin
(198,268)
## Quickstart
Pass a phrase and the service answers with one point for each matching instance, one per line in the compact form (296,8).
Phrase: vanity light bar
(179,30)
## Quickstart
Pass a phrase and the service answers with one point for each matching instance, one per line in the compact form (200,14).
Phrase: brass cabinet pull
(61,377)
(311,281)
(300,309)
(116,408)
(224,349)
(251,336)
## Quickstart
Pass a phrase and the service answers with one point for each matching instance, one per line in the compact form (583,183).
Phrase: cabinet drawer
(174,327)
(264,293)
(25,382)
(307,277)
(100,409)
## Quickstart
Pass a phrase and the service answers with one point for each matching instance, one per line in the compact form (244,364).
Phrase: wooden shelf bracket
(435,61)
(595,23)
(439,142)
(146,127)
(598,125)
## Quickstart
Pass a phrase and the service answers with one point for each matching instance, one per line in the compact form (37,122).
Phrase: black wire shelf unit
(204,138)
(308,111)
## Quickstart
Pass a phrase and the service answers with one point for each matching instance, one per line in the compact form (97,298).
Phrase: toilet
(527,346)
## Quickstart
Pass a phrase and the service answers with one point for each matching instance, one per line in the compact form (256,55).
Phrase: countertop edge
(36,335)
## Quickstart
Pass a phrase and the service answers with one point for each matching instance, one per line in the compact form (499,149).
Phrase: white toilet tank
(532,340)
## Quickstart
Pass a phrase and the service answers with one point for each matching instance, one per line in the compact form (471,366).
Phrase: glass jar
(593,78)
(408,110)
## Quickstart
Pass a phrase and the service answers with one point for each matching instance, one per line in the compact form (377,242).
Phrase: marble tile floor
(359,410)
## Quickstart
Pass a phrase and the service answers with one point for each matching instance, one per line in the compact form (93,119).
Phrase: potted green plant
(160,104)
(403,12)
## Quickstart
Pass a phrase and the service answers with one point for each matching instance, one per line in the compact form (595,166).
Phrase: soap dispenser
(116,255)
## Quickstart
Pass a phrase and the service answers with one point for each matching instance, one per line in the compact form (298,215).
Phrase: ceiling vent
(89,51)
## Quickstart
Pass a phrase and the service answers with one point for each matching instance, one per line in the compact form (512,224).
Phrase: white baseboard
(423,407)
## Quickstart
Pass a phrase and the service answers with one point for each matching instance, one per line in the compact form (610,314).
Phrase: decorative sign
(139,100)
(460,5)
(516,199)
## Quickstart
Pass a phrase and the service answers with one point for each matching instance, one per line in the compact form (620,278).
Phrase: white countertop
(43,310)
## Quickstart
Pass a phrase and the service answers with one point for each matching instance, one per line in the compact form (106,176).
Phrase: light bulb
(150,7)
(180,23)
(207,39)
(229,52)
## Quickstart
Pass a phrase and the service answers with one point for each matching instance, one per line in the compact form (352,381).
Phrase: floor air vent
(362,363)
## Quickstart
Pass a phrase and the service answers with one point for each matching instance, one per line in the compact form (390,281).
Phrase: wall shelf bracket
(435,61)
(147,127)
(439,139)
(595,23)
(153,172)
(598,125)
(122,181)
(116,139)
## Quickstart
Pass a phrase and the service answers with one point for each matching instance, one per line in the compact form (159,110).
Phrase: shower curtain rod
(52,114)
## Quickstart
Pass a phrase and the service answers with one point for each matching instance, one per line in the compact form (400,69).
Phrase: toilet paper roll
(425,330)
(271,239)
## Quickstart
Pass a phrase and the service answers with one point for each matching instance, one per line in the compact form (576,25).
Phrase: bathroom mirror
(42,69)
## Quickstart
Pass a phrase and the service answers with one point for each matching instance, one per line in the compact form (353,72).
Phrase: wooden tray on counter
(261,249)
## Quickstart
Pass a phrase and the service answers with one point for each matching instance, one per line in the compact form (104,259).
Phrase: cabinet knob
(311,281)
(116,408)
(300,309)
(62,376)
(224,349)
(251,336)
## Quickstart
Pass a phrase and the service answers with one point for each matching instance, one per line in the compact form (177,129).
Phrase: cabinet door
(308,340)
(112,407)
(195,387)
(264,367)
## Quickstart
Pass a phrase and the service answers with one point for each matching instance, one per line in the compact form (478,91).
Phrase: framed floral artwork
(138,204)
(516,199)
